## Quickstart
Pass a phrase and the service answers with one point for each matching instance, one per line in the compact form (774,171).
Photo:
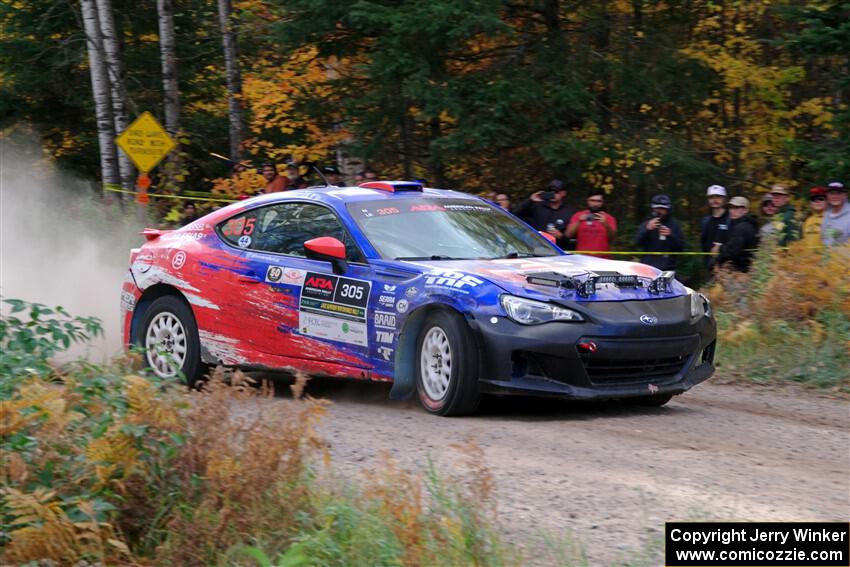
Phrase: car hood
(510,275)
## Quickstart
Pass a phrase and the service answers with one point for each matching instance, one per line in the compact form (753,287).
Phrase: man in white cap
(836,220)
(714,227)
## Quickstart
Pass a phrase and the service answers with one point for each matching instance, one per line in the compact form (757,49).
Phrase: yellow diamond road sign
(145,142)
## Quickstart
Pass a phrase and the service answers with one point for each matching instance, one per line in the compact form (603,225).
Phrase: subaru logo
(648,319)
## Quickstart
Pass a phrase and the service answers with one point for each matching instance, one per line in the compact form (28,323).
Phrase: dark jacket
(650,241)
(713,229)
(540,215)
(788,229)
(743,237)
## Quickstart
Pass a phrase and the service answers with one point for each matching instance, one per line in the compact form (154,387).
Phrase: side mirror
(548,237)
(328,249)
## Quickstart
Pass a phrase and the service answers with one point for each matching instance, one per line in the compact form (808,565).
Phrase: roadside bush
(108,465)
(788,319)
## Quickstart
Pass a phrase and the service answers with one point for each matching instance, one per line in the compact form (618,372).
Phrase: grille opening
(617,372)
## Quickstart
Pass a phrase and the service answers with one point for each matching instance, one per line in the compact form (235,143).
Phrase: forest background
(635,97)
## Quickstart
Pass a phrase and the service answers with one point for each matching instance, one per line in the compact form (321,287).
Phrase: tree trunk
(117,90)
(100,89)
(168,56)
(234,78)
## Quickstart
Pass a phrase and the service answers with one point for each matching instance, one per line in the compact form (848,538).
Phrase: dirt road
(612,473)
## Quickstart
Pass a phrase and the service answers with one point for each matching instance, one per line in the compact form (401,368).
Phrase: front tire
(447,366)
(170,339)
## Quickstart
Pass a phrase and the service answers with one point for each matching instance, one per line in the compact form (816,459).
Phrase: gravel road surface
(611,474)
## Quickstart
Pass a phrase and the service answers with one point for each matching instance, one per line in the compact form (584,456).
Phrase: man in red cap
(812,224)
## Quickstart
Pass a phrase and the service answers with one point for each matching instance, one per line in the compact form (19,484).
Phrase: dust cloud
(62,243)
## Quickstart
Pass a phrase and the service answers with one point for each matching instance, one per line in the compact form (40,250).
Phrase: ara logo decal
(385,337)
(319,283)
(648,319)
(454,280)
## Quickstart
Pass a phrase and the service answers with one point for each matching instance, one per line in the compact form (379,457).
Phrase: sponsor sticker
(178,260)
(387,301)
(332,307)
(402,306)
(385,337)
(389,288)
(411,292)
(385,320)
(451,279)
(128,301)
(386,353)
(281,274)
(244,241)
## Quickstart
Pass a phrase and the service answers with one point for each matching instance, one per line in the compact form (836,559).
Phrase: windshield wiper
(432,257)
(513,254)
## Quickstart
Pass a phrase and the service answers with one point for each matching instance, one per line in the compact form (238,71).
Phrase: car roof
(335,195)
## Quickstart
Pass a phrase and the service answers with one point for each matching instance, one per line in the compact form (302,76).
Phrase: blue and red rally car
(439,292)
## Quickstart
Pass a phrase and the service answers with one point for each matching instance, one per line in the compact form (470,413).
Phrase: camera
(547,196)
(588,217)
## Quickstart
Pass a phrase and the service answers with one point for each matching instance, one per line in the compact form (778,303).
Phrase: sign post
(146,143)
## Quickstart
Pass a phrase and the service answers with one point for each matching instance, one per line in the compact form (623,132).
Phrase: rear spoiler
(153,233)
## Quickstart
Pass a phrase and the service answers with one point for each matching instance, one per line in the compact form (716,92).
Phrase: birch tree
(102,99)
(234,78)
(168,56)
(117,91)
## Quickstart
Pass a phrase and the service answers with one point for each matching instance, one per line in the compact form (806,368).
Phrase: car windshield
(445,229)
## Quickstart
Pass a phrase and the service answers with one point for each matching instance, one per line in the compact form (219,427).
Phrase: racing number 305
(351,291)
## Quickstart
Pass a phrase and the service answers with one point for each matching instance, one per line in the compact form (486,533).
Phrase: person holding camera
(593,228)
(660,234)
(547,212)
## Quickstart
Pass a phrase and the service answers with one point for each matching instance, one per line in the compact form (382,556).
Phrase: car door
(295,307)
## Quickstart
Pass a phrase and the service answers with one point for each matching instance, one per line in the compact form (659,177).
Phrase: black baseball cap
(331,169)
(556,185)
(661,202)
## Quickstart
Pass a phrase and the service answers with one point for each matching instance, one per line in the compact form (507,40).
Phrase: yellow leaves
(145,407)
(42,530)
(112,453)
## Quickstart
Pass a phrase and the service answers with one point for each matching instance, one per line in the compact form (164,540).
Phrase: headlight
(530,312)
(700,305)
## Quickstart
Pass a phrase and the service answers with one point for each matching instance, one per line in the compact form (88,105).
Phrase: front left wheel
(170,339)
(447,366)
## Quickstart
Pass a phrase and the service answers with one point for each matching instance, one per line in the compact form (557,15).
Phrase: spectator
(768,210)
(370,174)
(274,181)
(503,201)
(737,252)
(714,227)
(812,225)
(294,176)
(593,228)
(547,211)
(836,219)
(332,174)
(661,233)
(360,177)
(190,213)
(786,227)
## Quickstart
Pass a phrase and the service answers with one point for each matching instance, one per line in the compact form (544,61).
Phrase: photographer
(661,233)
(547,211)
(593,228)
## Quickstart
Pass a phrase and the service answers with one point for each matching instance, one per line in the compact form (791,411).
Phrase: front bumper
(630,358)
